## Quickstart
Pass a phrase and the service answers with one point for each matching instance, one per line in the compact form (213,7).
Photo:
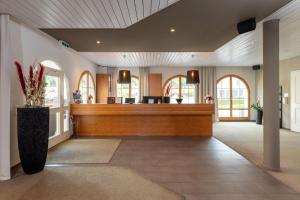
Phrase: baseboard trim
(4,178)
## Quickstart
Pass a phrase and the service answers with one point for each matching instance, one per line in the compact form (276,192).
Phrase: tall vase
(33,133)
(259,117)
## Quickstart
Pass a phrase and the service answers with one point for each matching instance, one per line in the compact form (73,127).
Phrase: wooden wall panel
(155,84)
(102,85)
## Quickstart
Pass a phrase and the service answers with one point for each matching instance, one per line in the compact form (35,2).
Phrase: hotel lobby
(149,99)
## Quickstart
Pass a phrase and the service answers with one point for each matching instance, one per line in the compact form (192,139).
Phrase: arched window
(86,86)
(130,90)
(233,95)
(57,98)
(179,88)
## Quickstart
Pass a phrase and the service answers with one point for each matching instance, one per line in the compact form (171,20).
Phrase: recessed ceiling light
(98,42)
(172,30)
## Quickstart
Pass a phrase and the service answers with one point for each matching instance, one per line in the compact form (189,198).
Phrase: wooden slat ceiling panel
(243,50)
(82,14)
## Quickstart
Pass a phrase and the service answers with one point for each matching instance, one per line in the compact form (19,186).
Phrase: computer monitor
(130,100)
(154,99)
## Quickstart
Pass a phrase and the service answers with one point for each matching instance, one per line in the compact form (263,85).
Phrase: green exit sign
(64,43)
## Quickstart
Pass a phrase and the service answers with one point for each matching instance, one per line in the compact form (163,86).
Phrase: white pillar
(4,99)
(271,94)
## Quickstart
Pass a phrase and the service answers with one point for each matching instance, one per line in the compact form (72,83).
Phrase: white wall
(30,47)
(285,68)
(168,72)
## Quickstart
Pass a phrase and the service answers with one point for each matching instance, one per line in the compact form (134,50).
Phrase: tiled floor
(200,168)
(247,139)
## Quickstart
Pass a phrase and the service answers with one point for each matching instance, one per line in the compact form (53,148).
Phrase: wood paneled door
(155,84)
(102,82)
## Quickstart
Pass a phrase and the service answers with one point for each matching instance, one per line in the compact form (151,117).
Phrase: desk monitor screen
(153,98)
(130,100)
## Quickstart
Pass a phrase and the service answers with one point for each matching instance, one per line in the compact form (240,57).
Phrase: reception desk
(143,119)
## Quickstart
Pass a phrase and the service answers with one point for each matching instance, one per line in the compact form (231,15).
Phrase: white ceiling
(244,50)
(82,14)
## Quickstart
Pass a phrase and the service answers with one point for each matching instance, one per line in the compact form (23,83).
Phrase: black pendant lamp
(192,77)
(124,77)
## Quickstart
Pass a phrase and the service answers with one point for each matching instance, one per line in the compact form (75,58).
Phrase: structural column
(4,98)
(271,94)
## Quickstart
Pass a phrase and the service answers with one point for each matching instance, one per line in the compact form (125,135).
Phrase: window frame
(180,86)
(230,76)
(62,106)
(130,86)
(89,74)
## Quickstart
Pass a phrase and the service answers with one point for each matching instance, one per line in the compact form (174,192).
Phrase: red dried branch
(41,75)
(21,77)
(31,76)
(30,72)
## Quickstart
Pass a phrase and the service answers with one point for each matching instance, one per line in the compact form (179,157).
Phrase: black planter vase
(33,133)
(259,117)
(179,101)
(166,99)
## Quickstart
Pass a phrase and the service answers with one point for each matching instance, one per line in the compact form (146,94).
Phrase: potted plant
(33,120)
(179,100)
(166,97)
(208,99)
(259,109)
(77,97)
(90,99)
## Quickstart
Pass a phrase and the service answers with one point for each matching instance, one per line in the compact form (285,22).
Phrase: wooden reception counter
(143,119)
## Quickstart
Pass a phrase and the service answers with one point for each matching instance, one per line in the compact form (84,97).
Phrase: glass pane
(240,102)
(223,96)
(84,95)
(238,83)
(66,120)
(123,90)
(224,103)
(91,88)
(240,113)
(224,113)
(174,91)
(223,93)
(174,94)
(83,88)
(54,126)
(52,91)
(135,89)
(224,83)
(66,92)
(188,92)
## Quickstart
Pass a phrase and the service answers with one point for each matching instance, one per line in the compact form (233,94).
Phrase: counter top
(142,109)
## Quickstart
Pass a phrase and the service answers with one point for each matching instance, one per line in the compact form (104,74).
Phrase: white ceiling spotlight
(172,30)
(98,42)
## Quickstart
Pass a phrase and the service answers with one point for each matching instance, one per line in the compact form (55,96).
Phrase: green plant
(256,106)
